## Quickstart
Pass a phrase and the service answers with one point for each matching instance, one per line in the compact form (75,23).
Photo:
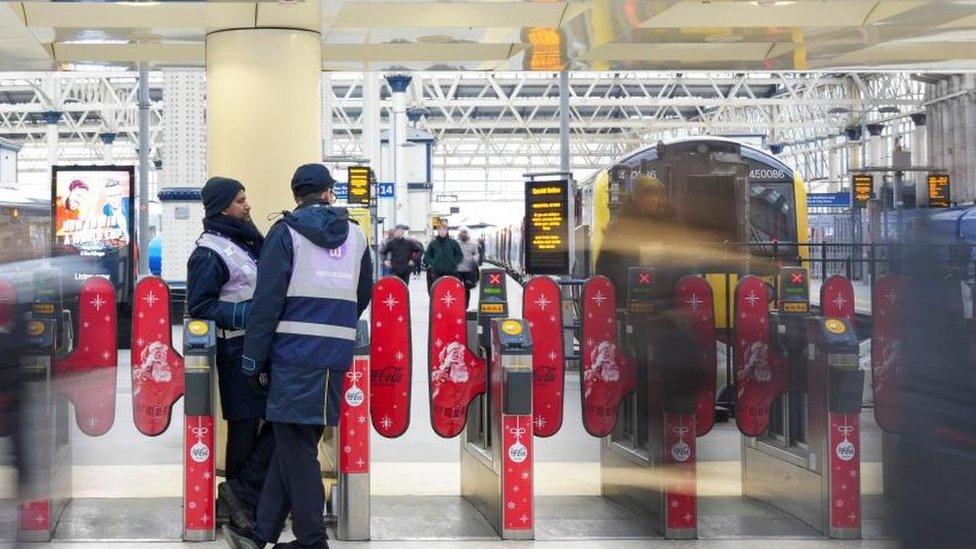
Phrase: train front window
(709,206)
(772,217)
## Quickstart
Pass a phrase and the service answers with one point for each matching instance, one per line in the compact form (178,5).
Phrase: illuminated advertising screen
(863,188)
(939,191)
(546,227)
(92,212)
(359,180)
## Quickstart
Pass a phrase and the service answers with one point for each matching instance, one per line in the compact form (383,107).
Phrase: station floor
(126,487)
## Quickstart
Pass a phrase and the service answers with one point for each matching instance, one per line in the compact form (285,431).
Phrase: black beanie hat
(311,178)
(218,193)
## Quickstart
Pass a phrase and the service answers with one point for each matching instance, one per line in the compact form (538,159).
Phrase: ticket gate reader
(45,414)
(496,474)
(807,462)
(199,455)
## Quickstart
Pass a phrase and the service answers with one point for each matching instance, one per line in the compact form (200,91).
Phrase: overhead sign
(546,228)
(341,190)
(359,180)
(863,188)
(828,200)
(939,191)
(385,190)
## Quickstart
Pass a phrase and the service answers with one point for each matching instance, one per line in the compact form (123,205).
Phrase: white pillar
(920,157)
(397,144)
(264,111)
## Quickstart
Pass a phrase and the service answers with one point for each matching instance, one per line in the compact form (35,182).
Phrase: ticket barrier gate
(199,456)
(803,455)
(45,415)
(648,461)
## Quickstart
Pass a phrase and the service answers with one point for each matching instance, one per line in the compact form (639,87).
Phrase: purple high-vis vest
(242,267)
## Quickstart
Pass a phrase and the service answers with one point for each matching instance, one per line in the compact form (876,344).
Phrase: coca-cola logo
(545,374)
(386,376)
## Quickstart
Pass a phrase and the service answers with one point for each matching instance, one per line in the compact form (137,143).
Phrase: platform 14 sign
(385,190)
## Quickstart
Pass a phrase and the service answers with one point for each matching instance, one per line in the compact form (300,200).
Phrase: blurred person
(398,254)
(221,278)
(936,445)
(442,256)
(314,281)
(470,259)
(384,270)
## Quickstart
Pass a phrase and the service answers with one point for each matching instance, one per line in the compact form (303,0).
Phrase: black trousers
(294,484)
(404,276)
(251,461)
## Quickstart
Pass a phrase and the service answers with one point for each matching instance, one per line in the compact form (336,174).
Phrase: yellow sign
(495,308)
(863,188)
(793,307)
(197,327)
(512,327)
(361,217)
(939,191)
(835,326)
(359,180)
(44,308)
(35,328)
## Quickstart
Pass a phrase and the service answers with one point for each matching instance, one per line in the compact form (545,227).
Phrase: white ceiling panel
(445,14)
(802,14)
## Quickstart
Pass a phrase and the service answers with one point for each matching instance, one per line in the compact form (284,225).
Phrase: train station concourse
(481,274)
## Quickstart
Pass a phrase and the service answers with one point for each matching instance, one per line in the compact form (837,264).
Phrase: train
(745,201)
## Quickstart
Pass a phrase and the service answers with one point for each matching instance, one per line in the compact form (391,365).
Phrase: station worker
(314,281)
(221,276)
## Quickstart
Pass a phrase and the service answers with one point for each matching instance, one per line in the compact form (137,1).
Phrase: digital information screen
(939,191)
(92,207)
(546,227)
(863,188)
(359,180)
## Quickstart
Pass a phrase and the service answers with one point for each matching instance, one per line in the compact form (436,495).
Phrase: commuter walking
(221,276)
(313,283)
(399,254)
(470,259)
(442,256)
(384,268)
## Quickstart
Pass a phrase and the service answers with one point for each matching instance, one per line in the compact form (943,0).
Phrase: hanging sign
(359,180)
(863,188)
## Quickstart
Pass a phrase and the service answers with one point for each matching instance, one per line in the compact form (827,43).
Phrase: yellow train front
(738,209)
(731,209)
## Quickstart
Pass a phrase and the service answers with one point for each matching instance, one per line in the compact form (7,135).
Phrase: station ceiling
(508,35)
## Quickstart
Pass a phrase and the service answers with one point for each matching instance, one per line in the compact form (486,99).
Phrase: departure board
(939,191)
(863,188)
(546,228)
(359,180)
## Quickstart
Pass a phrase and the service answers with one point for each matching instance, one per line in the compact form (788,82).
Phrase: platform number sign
(939,191)
(385,190)
(360,178)
(863,188)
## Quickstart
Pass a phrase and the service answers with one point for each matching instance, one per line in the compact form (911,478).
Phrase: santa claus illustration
(450,366)
(756,363)
(153,365)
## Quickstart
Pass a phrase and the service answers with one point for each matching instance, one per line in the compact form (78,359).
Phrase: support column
(875,146)
(397,141)
(920,157)
(108,140)
(264,111)
(51,119)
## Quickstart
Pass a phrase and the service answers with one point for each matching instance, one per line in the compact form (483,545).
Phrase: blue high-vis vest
(318,323)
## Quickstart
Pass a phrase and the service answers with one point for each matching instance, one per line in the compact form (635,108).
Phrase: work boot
(240,539)
(236,511)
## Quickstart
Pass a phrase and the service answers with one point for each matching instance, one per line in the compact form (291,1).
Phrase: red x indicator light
(495,279)
(796,278)
(645,278)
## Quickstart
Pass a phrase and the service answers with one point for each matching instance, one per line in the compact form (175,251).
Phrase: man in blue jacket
(221,275)
(314,282)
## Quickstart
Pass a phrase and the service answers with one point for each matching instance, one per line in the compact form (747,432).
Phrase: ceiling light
(723,38)
(770,3)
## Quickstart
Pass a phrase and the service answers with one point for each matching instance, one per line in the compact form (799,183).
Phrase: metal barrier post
(353,513)
(199,463)
(836,384)
(511,406)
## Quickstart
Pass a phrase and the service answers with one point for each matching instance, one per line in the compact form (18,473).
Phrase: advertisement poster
(92,207)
